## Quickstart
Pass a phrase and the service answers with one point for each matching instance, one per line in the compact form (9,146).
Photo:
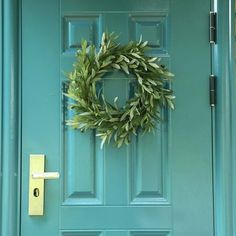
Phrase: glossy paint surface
(159,185)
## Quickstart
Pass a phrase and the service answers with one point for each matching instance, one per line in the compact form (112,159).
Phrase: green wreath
(141,112)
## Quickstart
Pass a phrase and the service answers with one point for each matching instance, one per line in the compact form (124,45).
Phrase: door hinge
(212,30)
(212,88)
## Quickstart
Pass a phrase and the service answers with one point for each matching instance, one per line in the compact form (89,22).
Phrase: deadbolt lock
(36,184)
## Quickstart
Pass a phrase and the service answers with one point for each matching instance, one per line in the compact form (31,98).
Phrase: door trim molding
(1,128)
(10,119)
(225,117)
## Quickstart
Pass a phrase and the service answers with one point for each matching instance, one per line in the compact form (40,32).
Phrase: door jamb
(225,120)
(10,118)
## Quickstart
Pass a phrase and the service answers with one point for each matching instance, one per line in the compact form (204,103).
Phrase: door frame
(10,121)
(224,120)
(224,129)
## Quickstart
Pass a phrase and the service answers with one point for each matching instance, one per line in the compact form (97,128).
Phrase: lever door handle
(46,175)
(37,175)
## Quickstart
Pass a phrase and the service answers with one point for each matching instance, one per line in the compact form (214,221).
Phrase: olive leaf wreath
(141,112)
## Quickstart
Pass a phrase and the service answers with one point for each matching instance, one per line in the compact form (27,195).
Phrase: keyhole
(36,192)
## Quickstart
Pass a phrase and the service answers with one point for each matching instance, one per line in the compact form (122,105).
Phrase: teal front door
(159,185)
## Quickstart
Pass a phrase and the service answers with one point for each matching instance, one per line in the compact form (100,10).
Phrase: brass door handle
(37,175)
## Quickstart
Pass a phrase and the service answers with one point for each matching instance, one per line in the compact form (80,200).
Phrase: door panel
(159,185)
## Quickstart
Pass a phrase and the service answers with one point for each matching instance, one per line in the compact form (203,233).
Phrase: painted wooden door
(159,185)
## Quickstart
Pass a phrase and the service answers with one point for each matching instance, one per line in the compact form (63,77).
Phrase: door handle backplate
(36,184)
